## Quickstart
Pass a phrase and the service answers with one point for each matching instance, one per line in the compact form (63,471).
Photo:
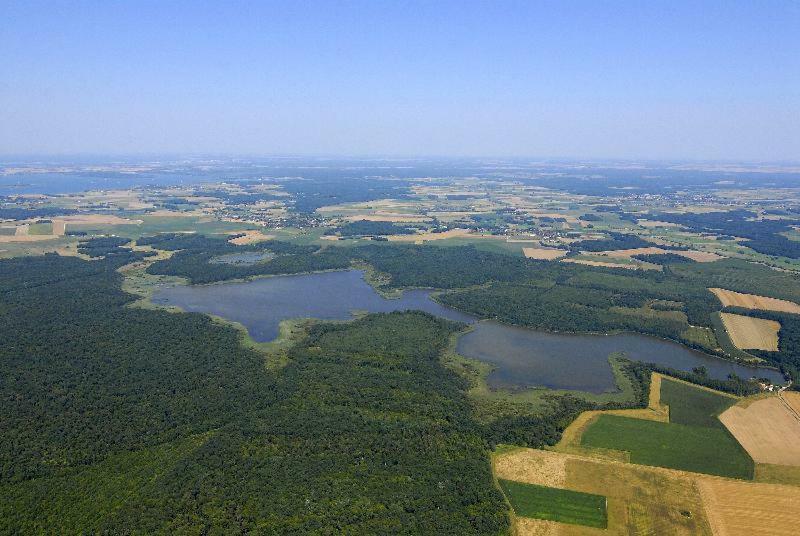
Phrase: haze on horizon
(659,80)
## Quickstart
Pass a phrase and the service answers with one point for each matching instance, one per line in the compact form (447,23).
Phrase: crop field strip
(555,504)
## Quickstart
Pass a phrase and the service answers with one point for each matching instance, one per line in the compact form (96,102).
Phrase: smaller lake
(523,358)
(260,305)
(530,358)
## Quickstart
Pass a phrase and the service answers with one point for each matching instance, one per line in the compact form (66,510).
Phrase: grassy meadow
(675,446)
(566,506)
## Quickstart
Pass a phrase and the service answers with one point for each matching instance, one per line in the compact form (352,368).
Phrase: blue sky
(638,79)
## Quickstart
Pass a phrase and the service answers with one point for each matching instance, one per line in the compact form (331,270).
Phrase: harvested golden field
(59,227)
(389,216)
(546,254)
(603,264)
(627,253)
(793,399)
(656,223)
(423,237)
(250,237)
(100,219)
(737,508)
(699,256)
(767,429)
(747,332)
(540,467)
(753,301)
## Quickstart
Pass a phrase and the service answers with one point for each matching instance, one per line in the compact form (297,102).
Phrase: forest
(150,421)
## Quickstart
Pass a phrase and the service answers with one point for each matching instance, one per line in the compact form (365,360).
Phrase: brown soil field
(751,333)
(767,430)
(543,253)
(753,301)
(737,508)
(250,237)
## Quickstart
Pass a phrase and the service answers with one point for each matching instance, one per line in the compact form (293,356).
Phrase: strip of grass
(698,449)
(566,506)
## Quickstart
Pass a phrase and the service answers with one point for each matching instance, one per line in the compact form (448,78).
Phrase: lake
(522,357)
(261,304)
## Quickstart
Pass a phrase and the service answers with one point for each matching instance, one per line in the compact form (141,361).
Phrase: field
(250,237)
(693,405)
(629,266)
(730,298)
(675,446)
(566,506)
(748,509)
(640,500)
(748,333)
(767,429)
(547,254)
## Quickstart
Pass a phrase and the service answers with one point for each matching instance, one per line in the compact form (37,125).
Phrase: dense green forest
(117,419)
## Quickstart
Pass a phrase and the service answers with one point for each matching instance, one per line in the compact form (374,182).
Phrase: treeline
(617,241)
(18,213)
(369,228)
(664,258)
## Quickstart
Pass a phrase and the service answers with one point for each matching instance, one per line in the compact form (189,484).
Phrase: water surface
(260,305)
(530,358)
(522,357)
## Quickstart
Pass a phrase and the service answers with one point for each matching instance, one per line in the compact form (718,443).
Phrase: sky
(643,79)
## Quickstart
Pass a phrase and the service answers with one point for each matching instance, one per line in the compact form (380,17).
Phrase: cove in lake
(523,358)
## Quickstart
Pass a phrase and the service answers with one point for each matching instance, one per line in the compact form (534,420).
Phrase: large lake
(522,357)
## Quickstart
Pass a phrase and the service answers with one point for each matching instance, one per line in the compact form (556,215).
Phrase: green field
(566,506)
(693,406)
(676,446)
